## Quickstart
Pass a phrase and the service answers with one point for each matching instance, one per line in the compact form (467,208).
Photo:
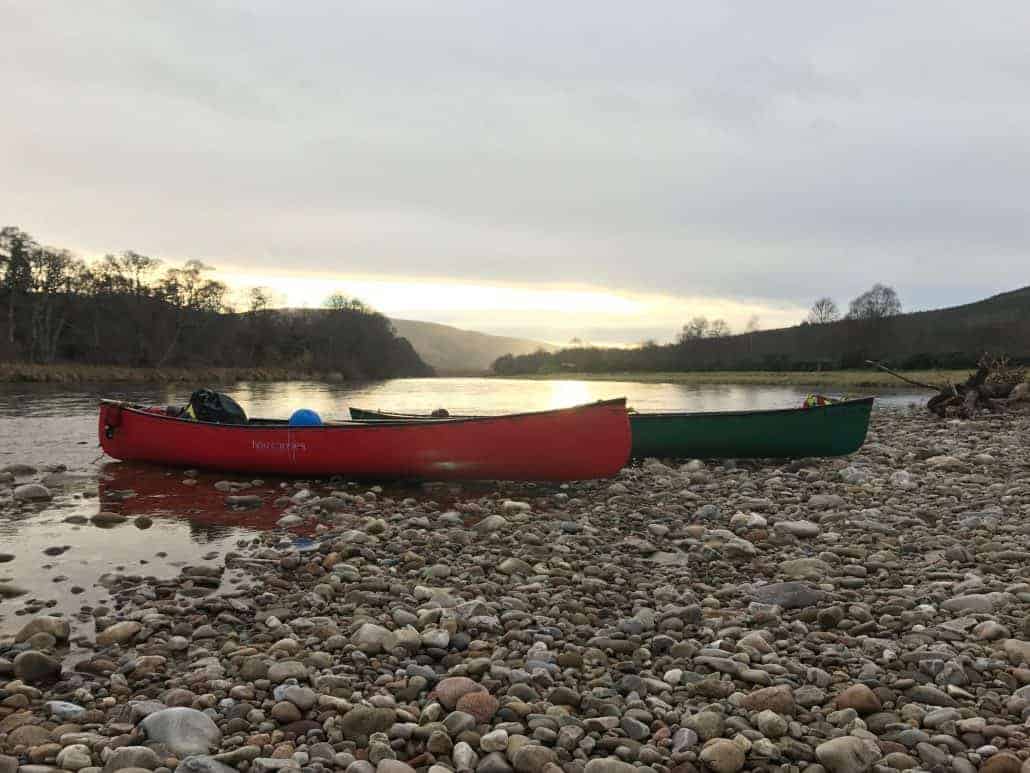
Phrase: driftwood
(994,381)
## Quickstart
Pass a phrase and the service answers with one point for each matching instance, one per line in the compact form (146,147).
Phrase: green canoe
(825,430)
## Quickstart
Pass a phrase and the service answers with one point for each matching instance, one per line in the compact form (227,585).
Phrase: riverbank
(111,374)
(845,379)
(856,612)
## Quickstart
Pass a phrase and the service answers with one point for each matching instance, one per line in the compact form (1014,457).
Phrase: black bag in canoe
(208,405)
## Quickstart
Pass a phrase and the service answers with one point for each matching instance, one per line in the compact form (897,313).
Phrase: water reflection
(568,393)
(133,489)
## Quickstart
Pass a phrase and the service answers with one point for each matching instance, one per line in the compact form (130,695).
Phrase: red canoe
(587,441)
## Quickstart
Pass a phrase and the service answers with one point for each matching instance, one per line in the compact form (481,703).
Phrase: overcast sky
(738,156)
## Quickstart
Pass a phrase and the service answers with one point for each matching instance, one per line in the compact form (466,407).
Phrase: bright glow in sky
(550,313)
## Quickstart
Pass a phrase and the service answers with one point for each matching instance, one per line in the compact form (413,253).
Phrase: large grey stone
(847,754)
(74,757)
(394,766)
(36,667)
(532,758)
(184,731)
(789,595)
(64,711)
(203,764)
(361,721)
(609,765)
(31,492)
(722,756)
(802,529)
(132,757)
(119,633)
(805,569)
(373,639)
(55,626)
(282,670)
(977,602)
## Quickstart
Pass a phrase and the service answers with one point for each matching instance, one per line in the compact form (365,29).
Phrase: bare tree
(55,274)
(190,294)
(878,302)
(753,324)
(718,329)
(696,328)
(339,302)
(16,250)
(258,299)
(823,310)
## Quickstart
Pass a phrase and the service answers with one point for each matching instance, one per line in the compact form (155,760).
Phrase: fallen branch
(907,380)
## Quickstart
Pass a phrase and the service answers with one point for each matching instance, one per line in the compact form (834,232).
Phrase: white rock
(945,462)
(748,521)
(495,741)
(903,479)
(853,475)
(464,758)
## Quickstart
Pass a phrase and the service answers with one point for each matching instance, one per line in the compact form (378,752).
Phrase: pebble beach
(868,613)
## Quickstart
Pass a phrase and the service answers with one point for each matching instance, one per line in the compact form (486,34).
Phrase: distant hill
(943,338)
(453,350)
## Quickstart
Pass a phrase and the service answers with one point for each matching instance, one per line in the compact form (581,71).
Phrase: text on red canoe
(277,445)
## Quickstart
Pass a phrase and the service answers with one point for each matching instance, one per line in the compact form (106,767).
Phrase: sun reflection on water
(568,393)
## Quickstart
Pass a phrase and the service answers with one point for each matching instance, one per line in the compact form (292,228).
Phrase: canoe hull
(836,429)
(585,442)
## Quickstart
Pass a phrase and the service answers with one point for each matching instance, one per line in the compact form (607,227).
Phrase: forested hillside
(452,350)
(947,338)
(130,310)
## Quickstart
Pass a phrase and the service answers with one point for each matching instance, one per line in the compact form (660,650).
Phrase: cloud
(765,153)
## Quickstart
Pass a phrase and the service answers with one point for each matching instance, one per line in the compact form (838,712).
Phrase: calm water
(46,425)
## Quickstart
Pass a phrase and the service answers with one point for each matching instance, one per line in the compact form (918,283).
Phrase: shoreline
(835,378)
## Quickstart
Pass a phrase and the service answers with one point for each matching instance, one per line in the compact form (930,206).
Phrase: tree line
(129,309)
(873,328)
(879,302)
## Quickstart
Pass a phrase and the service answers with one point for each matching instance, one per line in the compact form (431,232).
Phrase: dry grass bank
(74,374)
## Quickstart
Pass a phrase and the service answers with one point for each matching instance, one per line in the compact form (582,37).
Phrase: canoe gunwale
(759,412)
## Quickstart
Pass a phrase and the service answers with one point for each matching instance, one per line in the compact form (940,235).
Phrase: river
(55,553)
